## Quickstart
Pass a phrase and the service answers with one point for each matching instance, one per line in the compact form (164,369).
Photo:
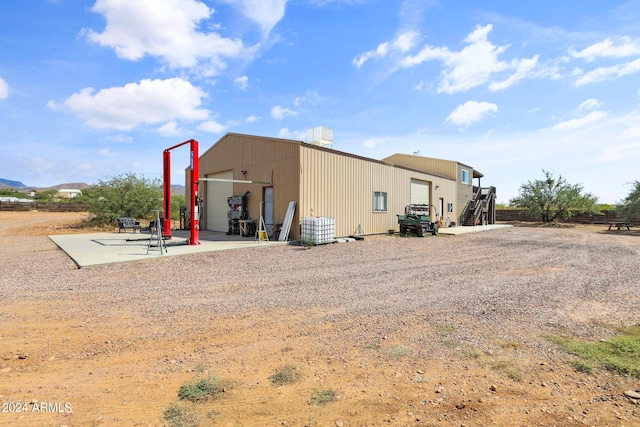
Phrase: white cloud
(471,112)
(402,43)
(322,3)
(580,122)
(36,164)
(623,47)
(632,132)
(406,41)
(252,119)
(167,29)
(310,97)
(84,166)
(420,86)
(120,138)
(590,104)
(608,73)
(265,13)
(292,134)
(380,52)
(170,129)
(279,112)
(370,143)
(149,102)
(212,126)
(4,89)
(524,68)
(242,81)
(106,152)
(473,65)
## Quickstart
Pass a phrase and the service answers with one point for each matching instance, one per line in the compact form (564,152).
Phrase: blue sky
(94,89)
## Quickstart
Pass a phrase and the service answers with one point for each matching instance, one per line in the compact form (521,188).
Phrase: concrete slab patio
(477,229)
(105,248)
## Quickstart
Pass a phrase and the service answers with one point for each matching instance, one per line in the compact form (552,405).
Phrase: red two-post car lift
(194,238)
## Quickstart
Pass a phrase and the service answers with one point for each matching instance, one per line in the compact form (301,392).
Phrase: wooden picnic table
(619,225)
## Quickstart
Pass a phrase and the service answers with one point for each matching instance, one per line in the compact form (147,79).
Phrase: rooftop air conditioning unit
(321,136)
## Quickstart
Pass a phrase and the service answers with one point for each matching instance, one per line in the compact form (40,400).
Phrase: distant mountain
(17,185)
(71,186)
(10,183)
(178,190)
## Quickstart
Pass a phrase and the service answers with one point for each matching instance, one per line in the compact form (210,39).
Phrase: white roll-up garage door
(419,192)
(217,207)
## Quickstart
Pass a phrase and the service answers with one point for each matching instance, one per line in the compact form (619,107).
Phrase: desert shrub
(284,375)
(322,397)
(180,415)
(199,390)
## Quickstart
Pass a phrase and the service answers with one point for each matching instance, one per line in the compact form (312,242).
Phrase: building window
(379,201)
(450,207)
(465,176)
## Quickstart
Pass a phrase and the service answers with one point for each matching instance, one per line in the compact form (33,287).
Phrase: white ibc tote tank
(318,230)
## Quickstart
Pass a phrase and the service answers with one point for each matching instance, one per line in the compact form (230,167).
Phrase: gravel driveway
(480,290)
(508,280)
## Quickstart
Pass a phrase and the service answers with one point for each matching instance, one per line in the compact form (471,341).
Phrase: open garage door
(217,207)
(419,192)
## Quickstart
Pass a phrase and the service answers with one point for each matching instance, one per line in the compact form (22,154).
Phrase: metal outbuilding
(358,192)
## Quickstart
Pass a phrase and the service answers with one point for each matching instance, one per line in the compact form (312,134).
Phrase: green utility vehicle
(417,220)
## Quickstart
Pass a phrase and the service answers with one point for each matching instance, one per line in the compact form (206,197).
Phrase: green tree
(10,192)
(629,208)
(177,200)
(124,195)
(46,195)
(553,198)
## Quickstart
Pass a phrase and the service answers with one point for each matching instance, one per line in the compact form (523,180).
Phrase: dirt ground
(69,360)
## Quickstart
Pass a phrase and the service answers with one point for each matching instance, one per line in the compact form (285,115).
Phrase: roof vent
(321,136)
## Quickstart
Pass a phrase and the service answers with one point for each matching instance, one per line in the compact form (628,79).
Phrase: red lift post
(194,238)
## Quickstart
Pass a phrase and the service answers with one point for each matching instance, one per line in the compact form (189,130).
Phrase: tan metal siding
(339,186)
(465,191)
(462,192)
(259,156)
(438,167)
(324,182)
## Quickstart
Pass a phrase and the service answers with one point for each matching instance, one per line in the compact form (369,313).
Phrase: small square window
(379,201)
(450,207)
(464,176)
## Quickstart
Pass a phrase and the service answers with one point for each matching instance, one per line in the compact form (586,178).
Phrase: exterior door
(268,209)
(419,192)
(217,207)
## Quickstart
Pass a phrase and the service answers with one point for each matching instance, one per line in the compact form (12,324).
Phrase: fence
(44,206)
(510,215)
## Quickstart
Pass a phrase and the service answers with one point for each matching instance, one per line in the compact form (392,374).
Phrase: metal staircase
(481,209)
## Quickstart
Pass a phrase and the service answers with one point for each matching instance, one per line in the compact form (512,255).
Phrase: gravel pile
(512,282)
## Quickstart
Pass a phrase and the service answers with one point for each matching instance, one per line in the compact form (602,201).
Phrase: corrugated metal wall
(258,156)
(448,168)
(324,182)
(341,186)
(464,191)
(438,167)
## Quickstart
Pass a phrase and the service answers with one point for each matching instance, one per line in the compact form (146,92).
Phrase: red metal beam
(194,238)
